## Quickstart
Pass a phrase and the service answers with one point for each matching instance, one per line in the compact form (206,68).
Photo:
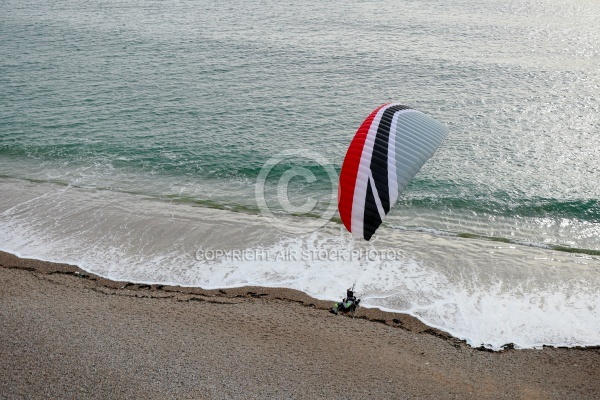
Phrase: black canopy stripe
(379,165)
(372,219)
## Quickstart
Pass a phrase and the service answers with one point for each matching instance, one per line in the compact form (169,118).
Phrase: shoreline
(66,333)
(397,320)
(393,319)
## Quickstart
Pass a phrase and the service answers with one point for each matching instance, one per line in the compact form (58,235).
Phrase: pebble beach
(65,333)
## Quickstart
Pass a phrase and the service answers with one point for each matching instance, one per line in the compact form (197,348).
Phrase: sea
(199,143)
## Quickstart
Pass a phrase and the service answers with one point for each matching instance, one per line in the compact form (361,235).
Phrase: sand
(65,333)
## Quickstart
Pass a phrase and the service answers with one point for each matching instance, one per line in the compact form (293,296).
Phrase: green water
(189,99)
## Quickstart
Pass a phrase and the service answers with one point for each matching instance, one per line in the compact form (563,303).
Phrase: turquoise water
(173,107)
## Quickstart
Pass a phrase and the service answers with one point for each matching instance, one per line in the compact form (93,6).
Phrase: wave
(417,211)
(500,204)
(519,242)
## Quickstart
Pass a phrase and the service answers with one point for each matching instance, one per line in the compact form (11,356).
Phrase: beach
(65,333)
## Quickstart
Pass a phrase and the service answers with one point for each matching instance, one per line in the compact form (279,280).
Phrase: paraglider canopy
(387,151)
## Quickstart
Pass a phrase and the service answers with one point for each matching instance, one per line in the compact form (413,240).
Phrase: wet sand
(65,333)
